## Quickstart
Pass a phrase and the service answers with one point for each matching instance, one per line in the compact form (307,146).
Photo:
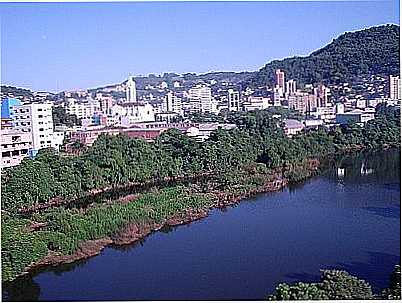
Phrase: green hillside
(370,51)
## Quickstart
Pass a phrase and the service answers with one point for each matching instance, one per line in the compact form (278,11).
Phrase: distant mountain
(366,52)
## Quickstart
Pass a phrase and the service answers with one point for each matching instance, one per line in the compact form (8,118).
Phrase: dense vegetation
(337,285)
(237,161)
(117,160)
(372,51)
(61,117)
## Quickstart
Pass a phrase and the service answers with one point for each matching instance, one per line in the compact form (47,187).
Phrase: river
(346,218)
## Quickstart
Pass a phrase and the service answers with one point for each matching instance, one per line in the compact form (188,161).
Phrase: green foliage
(393,292)
(60,117)
(334,285)
(367,52)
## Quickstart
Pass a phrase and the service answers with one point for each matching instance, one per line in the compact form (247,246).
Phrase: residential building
(200,99)
(292,127)
(36,119)
(83,110)
(256,103)
(7,105)
(291,87)
(15,146)
(394,87)
(280,79)
(233,100)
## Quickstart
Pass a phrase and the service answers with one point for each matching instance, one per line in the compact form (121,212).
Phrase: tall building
(36,119)
(291,87)
(394,87)
(280,79)
(131,91)
(233,100)
(7,107)
(201,99)
(172,103)
(322,94)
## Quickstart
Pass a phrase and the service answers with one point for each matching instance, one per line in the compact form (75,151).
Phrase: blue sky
(58,46)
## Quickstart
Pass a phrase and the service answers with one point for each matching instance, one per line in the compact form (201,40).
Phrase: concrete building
(322,94)
(355,116)
(83,110)
(280,79)
(36,119)
(200,99)
(298,102)
(394,87)
(291,87)
(7,105)
(131,90)
(233,100)
(292,127)
(172,103)
(15,146)
(256,103)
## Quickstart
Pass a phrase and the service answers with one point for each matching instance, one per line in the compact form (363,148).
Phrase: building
(202,131)
(36,119)
(299,102)
(322,94)
(292,127)
(256,103)
(355,116)
(82,110)
(280,79)
(7,105)
(200,99)
(15,146)
(291,87)
(131,91)
(233,100)
(172,103)
(394,87)
(89,136)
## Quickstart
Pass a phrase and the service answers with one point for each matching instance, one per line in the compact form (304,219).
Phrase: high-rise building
(36,119)
(7,107)
(322,92)
(291,87)
(131,91)
(201,99)
(172,103)
(233,100)
(394,87)
(280,79)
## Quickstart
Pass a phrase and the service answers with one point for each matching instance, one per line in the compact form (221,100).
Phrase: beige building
(15,146)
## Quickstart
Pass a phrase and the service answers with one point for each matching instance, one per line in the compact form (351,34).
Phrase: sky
(66,46)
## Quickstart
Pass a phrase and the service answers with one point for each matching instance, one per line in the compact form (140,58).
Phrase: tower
(280,79)
(131,92)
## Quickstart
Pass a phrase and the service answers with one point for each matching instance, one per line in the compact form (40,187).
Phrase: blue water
(346,221)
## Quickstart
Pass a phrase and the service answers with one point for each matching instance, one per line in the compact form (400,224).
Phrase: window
(5,154)
(41,129)
(15,152)
(40,116)
(39,109)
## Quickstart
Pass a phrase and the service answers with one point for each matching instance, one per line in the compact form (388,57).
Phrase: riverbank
(215,193)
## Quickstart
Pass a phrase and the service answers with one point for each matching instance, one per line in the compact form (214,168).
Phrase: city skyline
(187,37)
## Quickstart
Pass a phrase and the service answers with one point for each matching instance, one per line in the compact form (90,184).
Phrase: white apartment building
(15,146)
(37,120)
(394,87)
(83,110)
(172,104)
(256,103)
(233,100)
(200,98)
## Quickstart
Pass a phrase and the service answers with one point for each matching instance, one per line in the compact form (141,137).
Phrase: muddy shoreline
(136,231)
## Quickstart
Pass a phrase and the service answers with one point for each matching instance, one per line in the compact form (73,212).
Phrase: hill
(366,52)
